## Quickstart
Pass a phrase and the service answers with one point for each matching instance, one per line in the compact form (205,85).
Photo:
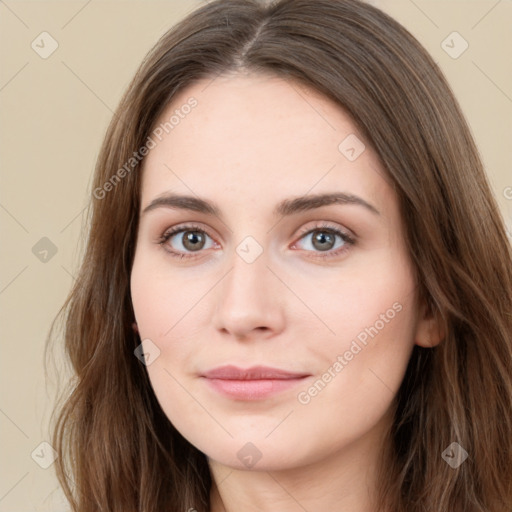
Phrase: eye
(327,239)
(185,239)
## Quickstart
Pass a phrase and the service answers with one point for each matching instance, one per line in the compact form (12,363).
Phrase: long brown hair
(118,451)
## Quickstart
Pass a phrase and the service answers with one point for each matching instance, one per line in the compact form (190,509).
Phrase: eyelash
(325,227)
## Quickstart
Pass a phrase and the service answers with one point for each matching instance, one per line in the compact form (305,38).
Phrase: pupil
(321,238)
(191,240)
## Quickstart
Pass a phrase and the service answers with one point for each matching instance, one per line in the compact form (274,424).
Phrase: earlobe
(430,331)
(135,327)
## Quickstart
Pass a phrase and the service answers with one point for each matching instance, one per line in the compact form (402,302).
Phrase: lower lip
(252,389)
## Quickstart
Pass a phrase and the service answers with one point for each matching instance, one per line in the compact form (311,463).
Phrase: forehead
(258,136)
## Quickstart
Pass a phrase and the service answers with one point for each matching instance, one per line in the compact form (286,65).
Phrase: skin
(251,142)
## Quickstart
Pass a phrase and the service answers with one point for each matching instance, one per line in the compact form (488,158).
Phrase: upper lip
(230,372)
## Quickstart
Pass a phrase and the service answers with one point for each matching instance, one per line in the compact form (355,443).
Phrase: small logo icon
(249,455)
(351,147)
(147,352)
(454,45)
(44,250)
(44,455)
(454,455)
(44,45)
(249,249)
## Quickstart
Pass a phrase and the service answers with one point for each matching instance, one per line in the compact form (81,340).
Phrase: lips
(230,372)
(256,383)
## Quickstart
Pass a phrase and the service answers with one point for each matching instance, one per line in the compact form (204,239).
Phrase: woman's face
(267,269)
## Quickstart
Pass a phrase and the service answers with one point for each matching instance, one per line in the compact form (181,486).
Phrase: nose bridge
(249,273)
(247,299)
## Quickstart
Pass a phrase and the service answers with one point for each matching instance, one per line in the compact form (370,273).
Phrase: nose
(250,300)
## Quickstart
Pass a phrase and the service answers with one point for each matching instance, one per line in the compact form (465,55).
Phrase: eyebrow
(284,208)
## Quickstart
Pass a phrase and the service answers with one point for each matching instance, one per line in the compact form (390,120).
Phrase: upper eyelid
(186,227)
(327,226)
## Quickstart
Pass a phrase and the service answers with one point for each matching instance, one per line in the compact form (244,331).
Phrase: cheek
(161,316)
(372,302)
(362,370)
(162,299)
(373,321)
(170,313)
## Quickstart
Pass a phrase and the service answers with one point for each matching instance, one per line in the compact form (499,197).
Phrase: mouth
(254,383)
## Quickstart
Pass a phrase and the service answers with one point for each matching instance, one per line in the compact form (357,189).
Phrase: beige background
(54,114)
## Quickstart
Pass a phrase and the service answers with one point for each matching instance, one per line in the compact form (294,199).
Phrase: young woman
(297,288)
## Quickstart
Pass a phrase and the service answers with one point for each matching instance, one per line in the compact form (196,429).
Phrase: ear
(429,329)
